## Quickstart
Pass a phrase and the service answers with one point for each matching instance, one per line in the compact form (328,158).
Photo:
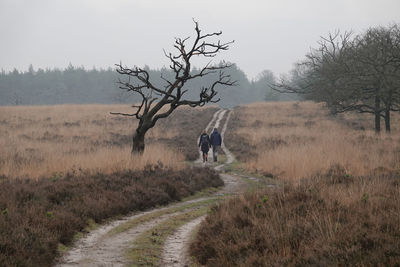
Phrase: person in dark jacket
(204,145)
(216,141)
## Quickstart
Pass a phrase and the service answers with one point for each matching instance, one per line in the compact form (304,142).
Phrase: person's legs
(215,153)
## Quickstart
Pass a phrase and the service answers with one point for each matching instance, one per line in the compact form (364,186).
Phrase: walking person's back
(216,141)
(204,144)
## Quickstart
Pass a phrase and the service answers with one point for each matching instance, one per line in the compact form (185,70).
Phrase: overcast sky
(268,34)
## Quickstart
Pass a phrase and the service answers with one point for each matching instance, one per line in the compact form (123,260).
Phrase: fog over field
(64,52)
(268,34)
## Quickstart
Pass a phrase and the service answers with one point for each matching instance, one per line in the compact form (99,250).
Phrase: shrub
(316,223)
(38,215)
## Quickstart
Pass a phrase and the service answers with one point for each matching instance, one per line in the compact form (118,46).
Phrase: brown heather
(82,156)
(317,223)
(339,202)
(37,216)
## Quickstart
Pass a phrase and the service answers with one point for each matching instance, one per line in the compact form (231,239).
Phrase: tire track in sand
(175,252)
(99,248)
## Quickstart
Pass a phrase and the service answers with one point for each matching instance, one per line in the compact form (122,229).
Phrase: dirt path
(176,246)
(175,252)
(214,123)
(100,248)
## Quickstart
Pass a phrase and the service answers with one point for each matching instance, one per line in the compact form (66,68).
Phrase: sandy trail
(101,249)
(175,252)
(214,123)
(108,251)
(176,246)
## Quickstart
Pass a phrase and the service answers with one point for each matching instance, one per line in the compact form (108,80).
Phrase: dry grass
(293,140)
(339,204)
(317,223)
(47,140)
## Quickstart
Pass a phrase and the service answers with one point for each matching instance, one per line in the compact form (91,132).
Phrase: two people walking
(206,142)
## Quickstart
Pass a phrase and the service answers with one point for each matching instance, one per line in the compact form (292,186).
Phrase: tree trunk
(377,122)
(138,142)
(377,114)
(138,145)
(387,120)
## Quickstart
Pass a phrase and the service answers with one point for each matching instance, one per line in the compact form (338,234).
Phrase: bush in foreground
(35,216)
(333,219)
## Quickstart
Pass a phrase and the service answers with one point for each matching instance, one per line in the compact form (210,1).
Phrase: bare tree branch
(171,95)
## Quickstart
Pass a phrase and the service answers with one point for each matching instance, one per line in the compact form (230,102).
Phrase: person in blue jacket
(216,141)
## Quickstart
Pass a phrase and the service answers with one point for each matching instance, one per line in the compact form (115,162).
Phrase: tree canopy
(352,73)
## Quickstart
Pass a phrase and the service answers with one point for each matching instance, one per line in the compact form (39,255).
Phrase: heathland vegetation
(335,199)
(64,168)
(339,198)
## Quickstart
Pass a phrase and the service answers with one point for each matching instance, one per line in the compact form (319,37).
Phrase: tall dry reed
(294,140)
(40,141)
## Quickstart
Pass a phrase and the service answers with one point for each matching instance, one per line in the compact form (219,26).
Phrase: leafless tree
(159,102)
(352,74)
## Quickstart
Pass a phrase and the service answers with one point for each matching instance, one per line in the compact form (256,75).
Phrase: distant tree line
(352,73)
(77,85)
(55,86)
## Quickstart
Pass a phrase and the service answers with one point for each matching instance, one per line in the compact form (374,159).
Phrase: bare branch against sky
(268,34)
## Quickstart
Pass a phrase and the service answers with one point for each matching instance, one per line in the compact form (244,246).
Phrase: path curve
(98,248)
(176,247)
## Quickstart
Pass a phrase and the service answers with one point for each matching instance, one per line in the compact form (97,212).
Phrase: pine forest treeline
(77,85)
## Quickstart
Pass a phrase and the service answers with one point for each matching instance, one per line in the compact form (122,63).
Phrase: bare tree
(352,74)
(159,102)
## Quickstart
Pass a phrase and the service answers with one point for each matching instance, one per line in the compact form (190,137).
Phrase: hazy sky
(268,34)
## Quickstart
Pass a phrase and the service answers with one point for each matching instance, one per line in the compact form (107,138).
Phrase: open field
(324,190)
(339,202)
(53,140)
(294,140)
(64,169)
